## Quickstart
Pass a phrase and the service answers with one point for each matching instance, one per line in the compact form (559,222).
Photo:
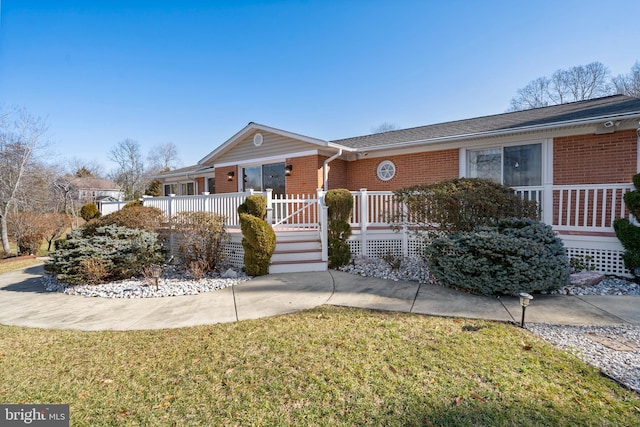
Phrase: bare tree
(385,127)
(81,167)
(163,157)
(533,95)
(130,173)
(54,226)
(21,136)
(570,85)
(629,84)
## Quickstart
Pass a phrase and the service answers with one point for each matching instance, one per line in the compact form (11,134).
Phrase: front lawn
(18,263)
(326,366)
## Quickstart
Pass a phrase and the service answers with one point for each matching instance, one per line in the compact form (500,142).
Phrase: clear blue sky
(195,72)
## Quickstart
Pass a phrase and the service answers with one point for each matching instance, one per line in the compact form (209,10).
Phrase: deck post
(323,222)
(364,216)
(269,194)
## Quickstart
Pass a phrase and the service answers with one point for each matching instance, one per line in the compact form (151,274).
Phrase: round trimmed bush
(89,211)
(516,255)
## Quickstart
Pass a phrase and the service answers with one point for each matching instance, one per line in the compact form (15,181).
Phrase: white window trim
(547,157)
(382,168)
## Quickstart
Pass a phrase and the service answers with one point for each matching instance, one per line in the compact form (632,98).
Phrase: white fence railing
(566,207)
(589,207)
(578,209)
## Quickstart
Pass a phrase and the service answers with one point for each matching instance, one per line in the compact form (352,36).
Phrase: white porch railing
(586,208)
(222,204)
(584,215)
(589,207)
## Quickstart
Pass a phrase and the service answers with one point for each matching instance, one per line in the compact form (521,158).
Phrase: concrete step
(292,256)
(297,266)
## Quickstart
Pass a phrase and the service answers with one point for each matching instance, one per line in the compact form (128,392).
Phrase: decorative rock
(229,274)
(586,278)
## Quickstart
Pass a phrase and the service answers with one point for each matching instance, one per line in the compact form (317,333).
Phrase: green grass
(10,264)
(327,366)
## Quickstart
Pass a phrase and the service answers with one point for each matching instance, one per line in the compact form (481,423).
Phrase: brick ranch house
(576,160)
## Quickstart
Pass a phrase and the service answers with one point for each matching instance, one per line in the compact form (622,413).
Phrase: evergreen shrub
(515,255)
(256,205)
(628,233)
(340,205)
(110,253)
(135,216)
(89,211)
(259,243)
(460,204)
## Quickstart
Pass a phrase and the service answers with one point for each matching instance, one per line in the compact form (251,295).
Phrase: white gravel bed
(172,284)
(622,364)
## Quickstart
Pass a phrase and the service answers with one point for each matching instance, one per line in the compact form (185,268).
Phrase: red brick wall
(224,186)
(411,169)
(595,159)
(338,174)
(199,185)
(306,175)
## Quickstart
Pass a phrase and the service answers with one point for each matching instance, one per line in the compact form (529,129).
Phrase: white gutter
(325,168)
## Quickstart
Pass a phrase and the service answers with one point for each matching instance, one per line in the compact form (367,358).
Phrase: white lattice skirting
(605,252)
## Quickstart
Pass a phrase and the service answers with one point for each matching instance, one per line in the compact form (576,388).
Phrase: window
(187,189)
(211,185)
(265,176)
(386,170)
(170,189)
(252,177)
(515,166)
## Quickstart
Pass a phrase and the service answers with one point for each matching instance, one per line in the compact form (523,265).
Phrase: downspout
(325,169)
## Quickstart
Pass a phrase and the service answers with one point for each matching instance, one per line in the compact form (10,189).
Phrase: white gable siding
(272,146)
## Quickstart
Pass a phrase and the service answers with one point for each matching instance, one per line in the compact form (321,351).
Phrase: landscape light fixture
(230,176)
(156,272)
(525,299)
(287,170)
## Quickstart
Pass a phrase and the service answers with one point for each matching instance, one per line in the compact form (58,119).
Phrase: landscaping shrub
(29,244)
(255,205)
(202,241)
(259,243)
(110,253)
(133,203)
(627,233)
(340,205)
(515,255)
(89,211)
(460,204)
(135,216)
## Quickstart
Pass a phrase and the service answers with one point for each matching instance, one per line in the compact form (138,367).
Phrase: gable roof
(251,127)
(92,183)
(186,171)
(558,115)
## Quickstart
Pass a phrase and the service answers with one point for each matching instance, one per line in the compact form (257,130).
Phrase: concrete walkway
(23,302)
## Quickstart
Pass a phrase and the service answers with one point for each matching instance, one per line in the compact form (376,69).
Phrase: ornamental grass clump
(515,255)
(110,253)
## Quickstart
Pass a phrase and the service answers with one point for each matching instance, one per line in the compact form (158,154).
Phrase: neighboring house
(90,190)
(575,159)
